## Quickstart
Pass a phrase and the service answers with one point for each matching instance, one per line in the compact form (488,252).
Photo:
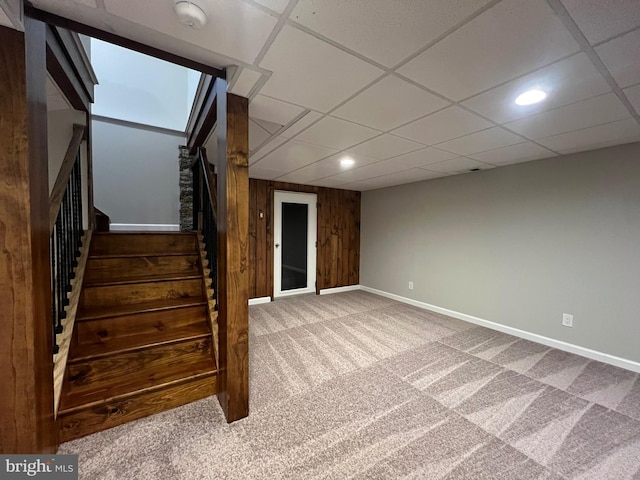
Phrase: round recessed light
(347,162)
(530,97)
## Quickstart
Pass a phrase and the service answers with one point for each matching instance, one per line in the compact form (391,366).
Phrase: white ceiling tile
(336,133)
(510,39)
(5,20)
(265,149)
(522,152)
(385,167)
(386,146)
(329,183)
(603,19)
(407,176)
(234,29)
(621,56)
(329,166)
(382,30)
(310,72)
(276,111)
(257,135)
(423,157)
(389,103)
(255,171)
(275,5)
(587,113)
(633,94)
(564,82)
(449,123)
(293,155)
(245,82)
(457,165)
(489,139)
(594,137)
(309,118)
(270,127)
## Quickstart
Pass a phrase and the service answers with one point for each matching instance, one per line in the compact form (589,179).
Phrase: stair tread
(126,279)
(114,346)
(135,384)
(91,313)
(142,255)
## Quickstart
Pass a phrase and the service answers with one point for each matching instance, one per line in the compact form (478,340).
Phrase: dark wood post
(26,360)
(232,130)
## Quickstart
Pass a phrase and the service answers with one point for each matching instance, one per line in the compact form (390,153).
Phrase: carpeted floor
(354,385)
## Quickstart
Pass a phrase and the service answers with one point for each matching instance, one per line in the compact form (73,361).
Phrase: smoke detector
(191,13)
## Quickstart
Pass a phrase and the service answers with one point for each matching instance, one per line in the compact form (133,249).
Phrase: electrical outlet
(410,285)
(567,320)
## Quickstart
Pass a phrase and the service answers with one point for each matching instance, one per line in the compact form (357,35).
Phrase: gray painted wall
(520,246)
(136,173)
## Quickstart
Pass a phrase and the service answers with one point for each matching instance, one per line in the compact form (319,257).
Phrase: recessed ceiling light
(530,97)
(347,162)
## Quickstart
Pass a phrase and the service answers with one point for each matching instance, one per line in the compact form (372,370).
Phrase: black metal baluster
(80,219)
(59,274)
(52,258)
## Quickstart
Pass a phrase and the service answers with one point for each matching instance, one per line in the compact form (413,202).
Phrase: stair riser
(97,418)
(101,296)
(93,374)
(105,329)
(142,244)
(104,269)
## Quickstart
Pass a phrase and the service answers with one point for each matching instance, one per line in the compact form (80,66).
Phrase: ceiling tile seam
(303,107)
(518,77)
(570,24)
(615,37)
(337,45)
(275,135)
(500,125)
(282,21)
(558,107)
(582,129)
(259,126)
(255,90)
(345,151)
(261,7)
(449,32)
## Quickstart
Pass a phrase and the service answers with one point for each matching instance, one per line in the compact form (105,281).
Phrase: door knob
(277,245)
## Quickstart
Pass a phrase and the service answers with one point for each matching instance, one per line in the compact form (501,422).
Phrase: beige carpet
(354,385)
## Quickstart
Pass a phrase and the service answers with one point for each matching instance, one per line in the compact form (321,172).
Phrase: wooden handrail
(209,181)
(55,199)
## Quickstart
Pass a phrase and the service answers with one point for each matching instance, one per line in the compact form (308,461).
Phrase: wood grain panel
(233,249)
(92,374)
(338,255)
(26,348)
(118,410)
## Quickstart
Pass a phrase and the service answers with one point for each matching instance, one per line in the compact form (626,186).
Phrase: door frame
(310,199)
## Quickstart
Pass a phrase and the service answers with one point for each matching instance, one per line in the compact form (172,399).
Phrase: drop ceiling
(411,90)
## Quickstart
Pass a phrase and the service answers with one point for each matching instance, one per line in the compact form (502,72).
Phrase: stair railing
(204,213)
(66,230)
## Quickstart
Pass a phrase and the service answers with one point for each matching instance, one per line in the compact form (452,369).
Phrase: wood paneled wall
(338,262)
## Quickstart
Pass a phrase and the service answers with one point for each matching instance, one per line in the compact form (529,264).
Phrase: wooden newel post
(232,130)
(26,345)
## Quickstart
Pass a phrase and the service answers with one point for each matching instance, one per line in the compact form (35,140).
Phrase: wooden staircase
(142,342)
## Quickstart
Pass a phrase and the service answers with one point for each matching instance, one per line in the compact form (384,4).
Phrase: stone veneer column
(186,190)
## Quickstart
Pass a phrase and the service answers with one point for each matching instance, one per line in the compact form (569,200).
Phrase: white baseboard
(144,227)
(259,300)
(348,288)
(534,337)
